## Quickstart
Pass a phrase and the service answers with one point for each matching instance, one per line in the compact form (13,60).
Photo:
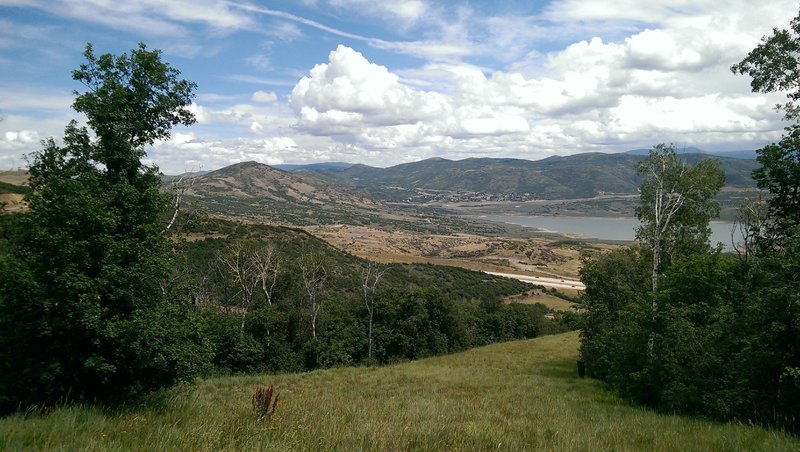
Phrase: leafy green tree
(131,102)
(775,350)
(774,65)
(725,339)
(613,334)
(82,315)
(779,175)
(677,203)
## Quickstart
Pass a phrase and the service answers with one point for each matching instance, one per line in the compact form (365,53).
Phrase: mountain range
(575,176)
(745,155)
(361,194)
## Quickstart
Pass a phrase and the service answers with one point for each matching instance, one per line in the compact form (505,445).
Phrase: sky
(389,82)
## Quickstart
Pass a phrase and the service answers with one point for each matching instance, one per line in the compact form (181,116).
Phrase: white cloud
(583,75)
(264,96)
(150,17)
(15,144)
(284,31)
(599,96)
(22,136)
(349,87)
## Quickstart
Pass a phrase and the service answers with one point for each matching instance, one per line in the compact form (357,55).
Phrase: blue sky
(383,83)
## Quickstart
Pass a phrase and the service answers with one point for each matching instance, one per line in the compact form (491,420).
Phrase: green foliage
(721,335)
(615,297)
(82,313)
(419,310)
(779,175)
(774,66)
(676,205)
(131,102)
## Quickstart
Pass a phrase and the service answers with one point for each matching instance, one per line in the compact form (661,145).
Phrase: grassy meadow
(520,395)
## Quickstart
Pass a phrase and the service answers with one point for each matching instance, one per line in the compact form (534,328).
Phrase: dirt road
(558,283)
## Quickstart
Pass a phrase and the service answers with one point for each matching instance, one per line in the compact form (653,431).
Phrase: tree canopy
(774,65)
(677,202)
(131,102)
(82,315)
(779,175)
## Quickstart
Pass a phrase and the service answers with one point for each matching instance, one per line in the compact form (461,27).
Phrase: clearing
(521,395)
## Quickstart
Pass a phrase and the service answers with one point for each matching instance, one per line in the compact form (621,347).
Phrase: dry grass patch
(15,177)
(534,256)
(13,202)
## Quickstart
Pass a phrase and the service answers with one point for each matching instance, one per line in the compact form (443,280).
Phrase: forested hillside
(575,176)
(265,310)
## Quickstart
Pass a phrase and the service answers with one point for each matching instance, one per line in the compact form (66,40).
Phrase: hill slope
(513,396)
(260,191)
(571,177)
(12,191)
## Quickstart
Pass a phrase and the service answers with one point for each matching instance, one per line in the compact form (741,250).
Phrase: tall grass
(512,396)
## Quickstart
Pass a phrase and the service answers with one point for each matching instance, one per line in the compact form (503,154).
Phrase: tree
(779,175)
(241,264)
(750,226)
(132,101)
(81,316)
(268,263)
(314,275)
(676,205)
(371,276)
(251,265)
(615,324)
(774,65)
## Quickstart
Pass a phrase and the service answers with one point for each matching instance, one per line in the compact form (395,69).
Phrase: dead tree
(242,268)
(179,187)
(268,264)
(749,225)
(371,275)
(314,273)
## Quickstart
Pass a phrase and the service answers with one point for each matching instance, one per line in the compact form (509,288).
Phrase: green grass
(514,396)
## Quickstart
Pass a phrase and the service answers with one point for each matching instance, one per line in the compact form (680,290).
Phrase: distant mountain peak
(314,166)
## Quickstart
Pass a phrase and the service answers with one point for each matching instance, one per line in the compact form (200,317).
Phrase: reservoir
(600,228)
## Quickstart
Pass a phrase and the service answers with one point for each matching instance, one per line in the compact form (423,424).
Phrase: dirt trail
(558,283)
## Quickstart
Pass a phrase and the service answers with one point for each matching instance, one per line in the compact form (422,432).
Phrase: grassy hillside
(6,187)
(513,396)
(575,176)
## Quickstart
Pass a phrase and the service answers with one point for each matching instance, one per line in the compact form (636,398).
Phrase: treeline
(678,325)
(720,337)
(296,320)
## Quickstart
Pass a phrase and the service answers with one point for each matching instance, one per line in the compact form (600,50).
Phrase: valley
(532,255)
(411,225)
(434,211)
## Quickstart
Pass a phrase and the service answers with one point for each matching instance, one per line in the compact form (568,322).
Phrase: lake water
(599,228)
